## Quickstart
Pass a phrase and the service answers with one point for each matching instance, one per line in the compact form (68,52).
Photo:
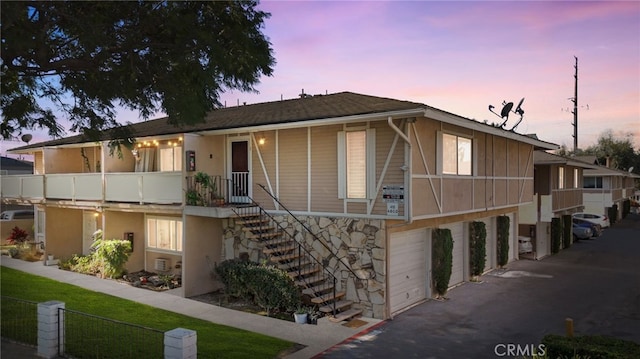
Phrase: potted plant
(300,315)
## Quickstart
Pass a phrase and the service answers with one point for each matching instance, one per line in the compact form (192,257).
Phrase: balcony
(129,187)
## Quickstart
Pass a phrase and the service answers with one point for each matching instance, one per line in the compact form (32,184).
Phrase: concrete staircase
(317,284)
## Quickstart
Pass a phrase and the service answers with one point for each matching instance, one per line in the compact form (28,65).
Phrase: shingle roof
(267,113)
(318,107)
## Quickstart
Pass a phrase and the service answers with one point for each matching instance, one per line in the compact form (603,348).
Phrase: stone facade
(350,246)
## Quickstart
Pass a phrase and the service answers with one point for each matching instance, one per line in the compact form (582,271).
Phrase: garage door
(490,246)
(457,268)
(409,264)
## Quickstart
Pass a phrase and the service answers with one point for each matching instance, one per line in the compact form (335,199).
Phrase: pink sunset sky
(461,57)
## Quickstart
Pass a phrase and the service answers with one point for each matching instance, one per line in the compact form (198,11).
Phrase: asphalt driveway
(595,282)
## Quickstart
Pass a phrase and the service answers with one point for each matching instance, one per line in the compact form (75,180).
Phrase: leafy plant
(441,259)
(503,240)
(107,257)
(17,236)
(477,247)
(110,256)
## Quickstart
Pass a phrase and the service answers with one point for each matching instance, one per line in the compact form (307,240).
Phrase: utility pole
(574,99)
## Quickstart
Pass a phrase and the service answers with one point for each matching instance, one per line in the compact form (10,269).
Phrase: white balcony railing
(136,187)
(144,187)
(22,186)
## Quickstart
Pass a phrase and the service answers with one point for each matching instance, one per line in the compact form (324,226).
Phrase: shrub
(441,259)
(567,229)
(556,234)
(477,247)
(503,240)
(590,346)
(266,286)
(626,208)
(107,257)
(17,236)
(110,256)
(613,214)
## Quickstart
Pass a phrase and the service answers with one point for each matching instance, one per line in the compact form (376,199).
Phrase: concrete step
(346,315)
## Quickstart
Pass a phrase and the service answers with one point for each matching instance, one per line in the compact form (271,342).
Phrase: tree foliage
(84,58)
(441,259)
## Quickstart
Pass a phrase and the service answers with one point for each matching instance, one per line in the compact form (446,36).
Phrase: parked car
(596,229)
(16,214)
(581,232)
(600,219)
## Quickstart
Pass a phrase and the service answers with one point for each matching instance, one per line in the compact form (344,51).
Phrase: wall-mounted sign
(392,209)
(393,193)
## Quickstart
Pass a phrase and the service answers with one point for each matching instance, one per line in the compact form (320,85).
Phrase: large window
(592,182)
(456,155)
(171,158)
(164,233)
(560,177)
(356,164)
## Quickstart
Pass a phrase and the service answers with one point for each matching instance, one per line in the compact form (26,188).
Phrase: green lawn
(214,341)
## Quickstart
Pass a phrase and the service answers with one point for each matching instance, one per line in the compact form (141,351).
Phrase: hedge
(441,259)
(567,230)
(503,240)
(477,247)
(590,346)
(556,234)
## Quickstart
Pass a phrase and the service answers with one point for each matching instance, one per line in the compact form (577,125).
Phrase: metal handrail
(309,230)
(300,247)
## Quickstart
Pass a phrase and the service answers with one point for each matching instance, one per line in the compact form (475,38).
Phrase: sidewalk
(315,338)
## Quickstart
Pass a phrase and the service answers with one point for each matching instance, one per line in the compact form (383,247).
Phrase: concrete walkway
(315,338)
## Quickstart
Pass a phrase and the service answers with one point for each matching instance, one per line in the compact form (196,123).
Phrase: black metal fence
(19,320)
(90,336)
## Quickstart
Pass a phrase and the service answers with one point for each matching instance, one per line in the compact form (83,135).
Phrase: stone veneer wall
(358,244)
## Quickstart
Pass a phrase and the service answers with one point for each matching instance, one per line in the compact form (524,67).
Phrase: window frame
(176,242)
(176,160)
(443,168)
(561,177)
(370,164)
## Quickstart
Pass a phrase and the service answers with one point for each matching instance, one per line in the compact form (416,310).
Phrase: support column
(180,343)
(50,328)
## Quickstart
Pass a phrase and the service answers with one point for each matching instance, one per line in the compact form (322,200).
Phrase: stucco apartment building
(359,181)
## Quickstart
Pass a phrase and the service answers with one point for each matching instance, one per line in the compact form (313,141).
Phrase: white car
(600,219)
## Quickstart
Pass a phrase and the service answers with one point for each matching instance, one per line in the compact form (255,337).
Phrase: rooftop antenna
(506,109)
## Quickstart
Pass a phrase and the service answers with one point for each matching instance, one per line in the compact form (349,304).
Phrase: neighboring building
(367,178)
(558,191)
(605,187)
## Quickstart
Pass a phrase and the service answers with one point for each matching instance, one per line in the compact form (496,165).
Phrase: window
(456,155)
(356,164)
(576,178)
(164,233)
(592,182)
(171,159)
(560,177)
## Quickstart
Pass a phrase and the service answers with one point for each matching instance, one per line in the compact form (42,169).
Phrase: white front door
(89,227)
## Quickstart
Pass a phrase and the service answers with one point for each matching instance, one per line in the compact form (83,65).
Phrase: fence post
(50,325)
(180,343)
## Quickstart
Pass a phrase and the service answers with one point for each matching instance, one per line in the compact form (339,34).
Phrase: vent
(162,264)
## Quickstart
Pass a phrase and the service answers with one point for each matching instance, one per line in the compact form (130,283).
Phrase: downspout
(406,168)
